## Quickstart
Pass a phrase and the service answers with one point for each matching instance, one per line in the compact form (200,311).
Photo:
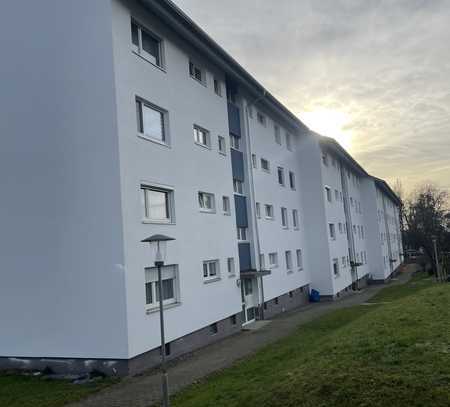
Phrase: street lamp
(434,240)
(158,247)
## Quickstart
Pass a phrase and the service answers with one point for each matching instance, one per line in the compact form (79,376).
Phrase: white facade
(87,174)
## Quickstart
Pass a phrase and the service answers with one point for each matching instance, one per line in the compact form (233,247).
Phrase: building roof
(384,186)
(331,144)
(190,31)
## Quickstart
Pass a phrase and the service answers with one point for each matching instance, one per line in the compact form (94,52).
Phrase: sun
(329,123)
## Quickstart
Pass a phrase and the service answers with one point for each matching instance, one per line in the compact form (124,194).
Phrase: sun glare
(329,123)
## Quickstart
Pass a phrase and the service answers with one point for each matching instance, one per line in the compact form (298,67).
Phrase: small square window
(269,211)
(280,174)
(265,165)
(211,269)
(202,137)
(206,202)
(213,329)
(196,72)
(276,300)
(238,186)
(234,142)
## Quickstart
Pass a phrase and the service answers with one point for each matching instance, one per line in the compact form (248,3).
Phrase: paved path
(144,391)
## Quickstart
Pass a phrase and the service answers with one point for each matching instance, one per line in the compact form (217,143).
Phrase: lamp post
(158,246)
(434,239)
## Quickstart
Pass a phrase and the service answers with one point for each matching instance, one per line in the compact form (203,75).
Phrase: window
(328,193)
(269,211)
(234,142)
(299,259)
(362,232)
(226,205)
(213,328)
(340,227)
(262,262)
(295,218)
(277,133)
(217,87)
(146,44)
(265,165)
(151,121)
(222,145)
(336,195)
(242,233)
(284,218)
(233,320)
(292,180)
(157,204)
(261,119)
(325,159)
(196,72)
(288,255)
(248,286)
(238,186)
(170,288)
(231,266)
(280,174)
(206,202)
(289,141)
(258,210)
(211,269)
(336,267)
(343,262)
(254,161)
(273,259)
(332,231)
(201,136)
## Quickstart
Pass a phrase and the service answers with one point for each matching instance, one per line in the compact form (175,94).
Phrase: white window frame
(231,266)
(254,161)
(273,256)
(295,220)
(288,259)
(201,130)
(269,209)
(164,117)
(299,255)
(332,231)
(222,145)
(144,188)
(226,205)
(138,49)
(280,176)
(242,234)
(207,269)
(202,202)
(234,142)
(264,160)
(262,261)
(238,186)
(292,180)
(336,270)
(328,194)
(192,73)
(284,218)
(258,210)
(151,277)
(217,86)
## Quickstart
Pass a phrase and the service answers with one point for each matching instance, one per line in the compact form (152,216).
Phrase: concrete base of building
(123,367)
(286,302)
(350,289)
(387,279)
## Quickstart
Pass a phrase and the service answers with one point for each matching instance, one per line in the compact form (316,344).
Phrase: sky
(374,74)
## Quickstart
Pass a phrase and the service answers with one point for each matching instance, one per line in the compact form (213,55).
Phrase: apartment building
(384,235)
(139,124)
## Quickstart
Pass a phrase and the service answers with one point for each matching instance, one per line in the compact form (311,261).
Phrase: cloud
(384,63)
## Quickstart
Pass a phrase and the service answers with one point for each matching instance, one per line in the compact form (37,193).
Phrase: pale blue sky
(374,74)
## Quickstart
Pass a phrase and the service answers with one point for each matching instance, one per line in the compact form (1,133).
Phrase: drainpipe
(388,236)
(252,197)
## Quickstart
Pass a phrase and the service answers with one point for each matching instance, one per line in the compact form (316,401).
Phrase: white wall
(273,237)
(62,286)
(187,168)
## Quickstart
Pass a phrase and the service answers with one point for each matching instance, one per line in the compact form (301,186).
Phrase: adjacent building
(137,123)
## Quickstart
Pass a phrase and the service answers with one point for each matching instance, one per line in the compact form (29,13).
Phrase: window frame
(238,186)
(154,305)
(284,218)
(235,143)
(271,210)
(299,255)
(264,160)
(295,219)
(201,201)
(192,73)
(217,83)
(231,266)
(288,260)
(169,194)
(292,180)
(139,50)
(140,104)
(332,231)
(242,234)
(201,130)
(274,255)
(328,194)
(222,145)
(208,277)
(280,177)
(226,205)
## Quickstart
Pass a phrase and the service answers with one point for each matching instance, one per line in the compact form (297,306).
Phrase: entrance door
(249,300)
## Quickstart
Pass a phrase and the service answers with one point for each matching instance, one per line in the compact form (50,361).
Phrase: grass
(29,391)
(395,353)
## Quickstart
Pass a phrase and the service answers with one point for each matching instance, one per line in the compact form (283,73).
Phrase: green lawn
(396,353)
(26,391)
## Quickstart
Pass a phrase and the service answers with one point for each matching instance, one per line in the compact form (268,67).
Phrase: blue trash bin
(314,296)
